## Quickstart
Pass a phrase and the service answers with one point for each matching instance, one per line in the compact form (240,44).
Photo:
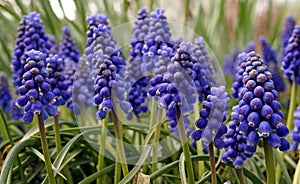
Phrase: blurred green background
(225,24)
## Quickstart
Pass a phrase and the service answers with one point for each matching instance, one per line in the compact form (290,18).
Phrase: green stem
(117,170)
(212,163)
(201,168)
(59,147)
(297,174)
(270,165)
(153,113)
(278,168)
(45,148)
(102,140)
(240,173)
(150,5)
(185,146)
(119,140)
(186,12)
(292,106)
(156,140)
(5,132)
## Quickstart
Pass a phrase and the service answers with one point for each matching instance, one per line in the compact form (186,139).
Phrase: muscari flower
(158,36)
(82,88)
(15,112)
(70,68)
(259,112)
(53,42)
(231,62)
(174,86)
(201,56)
(235,141)
(287,31)
(212,115)
(56,77)
(270,59)
(68,48)
(31,35)
(108,71)
(138,91)
(295,133)
(238,81)
(35,93)
(93,22)
(5,95)
(290,60)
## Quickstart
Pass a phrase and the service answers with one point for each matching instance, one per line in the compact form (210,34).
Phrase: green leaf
(12,156)
(98,174)
(284,171)
(138,165)
(182,169)
(41,156)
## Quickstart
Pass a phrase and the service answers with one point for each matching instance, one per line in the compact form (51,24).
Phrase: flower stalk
(156,141)
(102,141)
(185,146)
(119,139)
(45,148)
(212,163)
(270,165)
(292,105)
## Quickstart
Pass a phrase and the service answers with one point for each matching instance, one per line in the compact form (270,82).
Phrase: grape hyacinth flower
(5,95)
(53,42)
(93,22)
(259,111)
(211,119)
(57,79)
(35,92)
(287,31)
(31,35)
(70,67)
(184,58)
(15,112)
(201,56)
(290,61)
(295,133)
(138,91)
(235,141)
(158,36)
(68,48)
(238,81)
(82,97)
(270,59)
(229,63)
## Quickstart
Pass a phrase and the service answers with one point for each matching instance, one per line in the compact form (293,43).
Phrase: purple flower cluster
(270,59)
(231,61)
(57,79)
(70,68)
(68,48)
(212,115)
(31,35)
(201,56)
(53,42)
(138,91)
(82,89)
(158,36)
(93,23)
(238,81)
(291,57)
(108,68)
(287,31)
(36,95)
(295,133)
(259,112)
(5,95)
(235,141)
